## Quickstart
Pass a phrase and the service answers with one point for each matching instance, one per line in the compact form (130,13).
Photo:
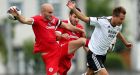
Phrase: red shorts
(64,66)
(65,60)
(51,60)
(64,49)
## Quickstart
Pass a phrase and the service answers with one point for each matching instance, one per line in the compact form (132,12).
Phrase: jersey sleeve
(58,23)
(34,18)
(60,30)
(94,21)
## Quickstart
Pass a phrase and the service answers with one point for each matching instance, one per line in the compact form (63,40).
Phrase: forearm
(80,15)
(83,35)
(24,20)
(75,29)
(122,38)
(71,27)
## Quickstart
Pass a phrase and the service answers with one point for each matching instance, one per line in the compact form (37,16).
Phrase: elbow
(25,21)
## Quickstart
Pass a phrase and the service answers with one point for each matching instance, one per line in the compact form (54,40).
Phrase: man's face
(73,19)
(119,19)
(47,13)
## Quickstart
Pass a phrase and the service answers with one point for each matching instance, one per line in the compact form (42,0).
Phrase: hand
(65,36)
(128,45)
(84,34)
(71,4)
(13,11)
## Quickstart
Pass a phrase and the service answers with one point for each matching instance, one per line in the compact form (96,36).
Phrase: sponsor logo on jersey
(50,27)
(112,33)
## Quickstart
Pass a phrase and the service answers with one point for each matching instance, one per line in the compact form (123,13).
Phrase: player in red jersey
(67,36)
(44,26)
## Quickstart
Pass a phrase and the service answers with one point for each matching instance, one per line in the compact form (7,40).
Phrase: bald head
(47,6)
(47,10)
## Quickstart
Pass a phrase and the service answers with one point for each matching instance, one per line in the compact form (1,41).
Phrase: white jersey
(103,35)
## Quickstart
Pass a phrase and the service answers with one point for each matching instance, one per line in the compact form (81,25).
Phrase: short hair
(71,12)
(118,10)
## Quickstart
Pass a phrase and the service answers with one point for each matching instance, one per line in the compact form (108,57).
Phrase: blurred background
(16,40)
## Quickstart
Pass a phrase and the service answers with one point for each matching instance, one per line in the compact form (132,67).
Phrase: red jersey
(44,30)
(72,35)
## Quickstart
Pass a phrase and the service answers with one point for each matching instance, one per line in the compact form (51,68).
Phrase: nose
(77,19)
(50,14)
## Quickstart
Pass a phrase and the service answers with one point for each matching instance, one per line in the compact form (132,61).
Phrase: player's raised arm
(71,27)
(71,5)
(19,17)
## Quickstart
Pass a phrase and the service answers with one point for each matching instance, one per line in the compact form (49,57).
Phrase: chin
(48,17)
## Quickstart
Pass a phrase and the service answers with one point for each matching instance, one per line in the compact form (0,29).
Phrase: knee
(90,73)
(55,74)
(103,73)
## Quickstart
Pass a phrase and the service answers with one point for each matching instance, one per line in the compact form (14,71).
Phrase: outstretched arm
(81,16)
(19,17)
(71,28)
(121,37)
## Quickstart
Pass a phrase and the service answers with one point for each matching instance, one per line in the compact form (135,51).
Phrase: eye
(50,12)
(75,17)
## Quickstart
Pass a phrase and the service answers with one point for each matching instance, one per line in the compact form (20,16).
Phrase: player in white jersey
(106,29)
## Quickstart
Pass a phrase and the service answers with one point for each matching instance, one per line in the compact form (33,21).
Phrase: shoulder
(37,17)
(104,17)
(54,17)
(120,27)
(55,20)
(65,21)
(97,19)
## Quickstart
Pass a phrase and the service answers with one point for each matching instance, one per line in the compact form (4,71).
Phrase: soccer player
(67,36)
(106,29)
(44,26)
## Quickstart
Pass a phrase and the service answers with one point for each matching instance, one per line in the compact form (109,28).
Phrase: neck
(112,23)
(71,23)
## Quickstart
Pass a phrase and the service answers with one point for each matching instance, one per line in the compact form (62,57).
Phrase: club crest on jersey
(50,69)
(53,21)
(49,24)
(108,26)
